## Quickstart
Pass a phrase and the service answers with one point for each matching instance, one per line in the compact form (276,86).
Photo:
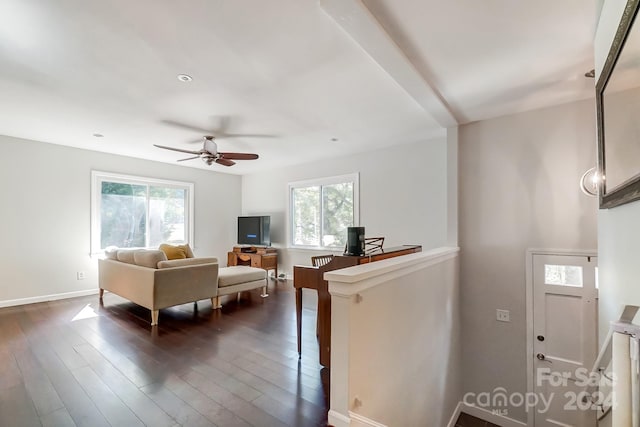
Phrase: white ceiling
(299,71)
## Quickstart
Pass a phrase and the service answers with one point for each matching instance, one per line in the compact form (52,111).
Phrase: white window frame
(97,177)
(338,179)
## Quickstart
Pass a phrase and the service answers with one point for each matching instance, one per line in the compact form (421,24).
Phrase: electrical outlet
(80,275)
(503,315)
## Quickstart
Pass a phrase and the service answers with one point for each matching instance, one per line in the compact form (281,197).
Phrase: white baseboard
(45,298)
(358,420)
(336,419)
(456,414)
(485,415)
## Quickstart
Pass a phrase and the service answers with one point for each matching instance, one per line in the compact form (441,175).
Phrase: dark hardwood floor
(76,362)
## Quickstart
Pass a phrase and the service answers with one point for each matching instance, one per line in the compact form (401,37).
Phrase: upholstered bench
(240,278)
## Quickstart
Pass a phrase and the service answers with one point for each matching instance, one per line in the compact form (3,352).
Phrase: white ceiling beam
(356,19)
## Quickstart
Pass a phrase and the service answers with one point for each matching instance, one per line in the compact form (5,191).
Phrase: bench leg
(154,317)
(101,293)
(264,293)
(215,303)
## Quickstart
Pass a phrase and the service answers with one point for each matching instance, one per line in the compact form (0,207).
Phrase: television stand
(254,256)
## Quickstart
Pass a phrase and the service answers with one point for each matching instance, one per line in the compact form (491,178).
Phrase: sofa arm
(179,285)
(129,281)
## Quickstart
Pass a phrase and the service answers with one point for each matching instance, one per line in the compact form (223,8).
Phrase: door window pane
(563,275)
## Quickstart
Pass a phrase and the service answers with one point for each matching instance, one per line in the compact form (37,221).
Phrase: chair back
(320,260)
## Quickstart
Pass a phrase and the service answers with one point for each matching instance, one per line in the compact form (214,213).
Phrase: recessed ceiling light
(98,135)
(334,140)
(184,78)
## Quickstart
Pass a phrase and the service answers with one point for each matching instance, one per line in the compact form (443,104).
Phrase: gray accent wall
(519,188)
(45,215)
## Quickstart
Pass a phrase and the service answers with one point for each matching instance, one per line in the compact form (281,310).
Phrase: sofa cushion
(176,251)
(187,261)
(125,255)
(228,276)
(149,257)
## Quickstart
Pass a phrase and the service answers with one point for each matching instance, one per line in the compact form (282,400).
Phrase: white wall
(403,196)
(45,214)
(518,178)
(618,228)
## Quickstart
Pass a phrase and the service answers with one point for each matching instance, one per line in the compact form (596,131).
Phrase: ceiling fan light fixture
(185,78)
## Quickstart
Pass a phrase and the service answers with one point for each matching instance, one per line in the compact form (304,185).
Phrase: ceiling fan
(210,154)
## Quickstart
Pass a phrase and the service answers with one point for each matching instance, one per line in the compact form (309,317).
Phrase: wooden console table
(254,256)
(312,278)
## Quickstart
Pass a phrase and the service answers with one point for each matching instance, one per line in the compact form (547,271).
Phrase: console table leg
(299,319)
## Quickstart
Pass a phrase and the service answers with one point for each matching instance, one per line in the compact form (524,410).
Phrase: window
(321,210)
(136,212)
(563,275)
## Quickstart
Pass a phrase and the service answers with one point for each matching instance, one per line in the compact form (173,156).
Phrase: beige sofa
(147,278)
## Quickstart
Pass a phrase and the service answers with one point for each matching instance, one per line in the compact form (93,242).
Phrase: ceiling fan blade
(239,156)
(189,158)
(178,149)
(225,162)
(185,126)
(244,135)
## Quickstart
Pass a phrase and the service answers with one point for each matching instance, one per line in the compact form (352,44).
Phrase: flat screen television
(254,230)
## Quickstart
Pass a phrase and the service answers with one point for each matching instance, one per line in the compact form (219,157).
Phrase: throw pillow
(174,252)
(187,250)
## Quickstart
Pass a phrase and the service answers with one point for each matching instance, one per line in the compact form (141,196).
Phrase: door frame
(529,304)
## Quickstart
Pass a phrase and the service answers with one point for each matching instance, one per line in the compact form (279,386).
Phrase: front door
(565,300)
